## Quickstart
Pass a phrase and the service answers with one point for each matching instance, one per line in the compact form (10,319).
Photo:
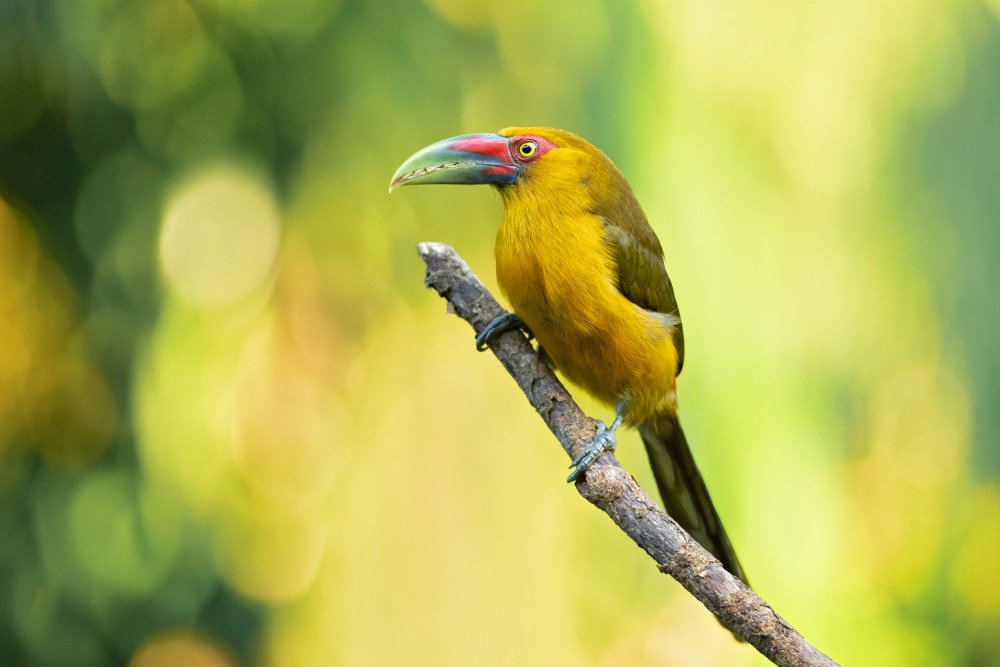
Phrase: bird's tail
(683,491)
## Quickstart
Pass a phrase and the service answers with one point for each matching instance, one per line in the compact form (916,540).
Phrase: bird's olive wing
(642,276)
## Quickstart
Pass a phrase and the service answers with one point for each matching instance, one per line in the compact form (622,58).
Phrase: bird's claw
(604,441)
(500,325)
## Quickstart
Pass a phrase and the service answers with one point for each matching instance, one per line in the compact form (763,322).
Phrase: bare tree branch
(608,486)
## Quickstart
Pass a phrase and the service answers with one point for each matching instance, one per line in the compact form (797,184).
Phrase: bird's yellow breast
(556,270)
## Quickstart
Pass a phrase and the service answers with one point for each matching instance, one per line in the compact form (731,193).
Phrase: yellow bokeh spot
(269,553)
(219,237)
(977,564)
(181,649)
(18,257)
(19,316)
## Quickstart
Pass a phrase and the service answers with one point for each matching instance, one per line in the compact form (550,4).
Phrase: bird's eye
(527,149)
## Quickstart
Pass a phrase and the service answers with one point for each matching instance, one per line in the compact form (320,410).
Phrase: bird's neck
(541,222)
(550,253)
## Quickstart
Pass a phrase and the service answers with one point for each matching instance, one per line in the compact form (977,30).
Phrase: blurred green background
(235,429)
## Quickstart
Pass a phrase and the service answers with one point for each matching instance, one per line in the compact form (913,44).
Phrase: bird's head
(517,161)
(534,169)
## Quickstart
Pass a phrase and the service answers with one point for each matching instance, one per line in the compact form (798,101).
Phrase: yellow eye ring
(527,149)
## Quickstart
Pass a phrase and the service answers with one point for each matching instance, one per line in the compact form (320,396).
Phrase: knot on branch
(601,485)
(690,557)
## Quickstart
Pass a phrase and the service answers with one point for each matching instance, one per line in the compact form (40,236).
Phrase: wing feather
(642,275)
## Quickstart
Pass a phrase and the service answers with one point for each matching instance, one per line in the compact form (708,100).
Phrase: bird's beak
(470,159)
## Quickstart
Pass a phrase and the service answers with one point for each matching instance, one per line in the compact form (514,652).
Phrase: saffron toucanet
(583,272)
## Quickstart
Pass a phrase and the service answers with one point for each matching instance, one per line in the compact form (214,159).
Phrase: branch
(609,487)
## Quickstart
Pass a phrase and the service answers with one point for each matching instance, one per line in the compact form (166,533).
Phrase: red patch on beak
(499,170)
(497,148)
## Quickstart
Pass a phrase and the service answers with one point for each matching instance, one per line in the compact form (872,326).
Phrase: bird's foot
(604,441)
(500,325)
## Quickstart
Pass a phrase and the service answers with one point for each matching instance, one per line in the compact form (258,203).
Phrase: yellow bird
(583,272)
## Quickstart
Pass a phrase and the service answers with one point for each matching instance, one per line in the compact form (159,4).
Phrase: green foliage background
(234,429)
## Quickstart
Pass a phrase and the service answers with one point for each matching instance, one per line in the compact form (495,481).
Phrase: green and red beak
(471,159)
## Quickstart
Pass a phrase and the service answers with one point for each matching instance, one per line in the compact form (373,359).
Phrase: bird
(584,274)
